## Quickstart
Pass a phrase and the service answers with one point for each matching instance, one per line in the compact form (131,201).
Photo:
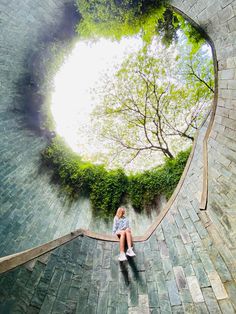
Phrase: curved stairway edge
(11,261)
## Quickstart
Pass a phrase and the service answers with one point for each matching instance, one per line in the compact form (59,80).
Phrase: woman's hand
(120,232)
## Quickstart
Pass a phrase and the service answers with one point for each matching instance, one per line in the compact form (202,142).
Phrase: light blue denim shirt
(120,224)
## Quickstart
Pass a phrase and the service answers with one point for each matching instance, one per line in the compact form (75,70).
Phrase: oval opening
(147,97)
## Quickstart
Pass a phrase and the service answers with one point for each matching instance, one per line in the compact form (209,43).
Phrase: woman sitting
(122,230)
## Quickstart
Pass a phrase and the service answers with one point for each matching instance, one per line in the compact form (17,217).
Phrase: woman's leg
(122,240)
(128,237)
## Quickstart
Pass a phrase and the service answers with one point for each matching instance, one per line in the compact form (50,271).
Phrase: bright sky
(71,100)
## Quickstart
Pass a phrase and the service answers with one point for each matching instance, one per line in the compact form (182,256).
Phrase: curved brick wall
(32,210)
(218,19)
(29,203)
(186,266)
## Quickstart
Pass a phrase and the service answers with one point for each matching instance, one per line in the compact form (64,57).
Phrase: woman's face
(123,211)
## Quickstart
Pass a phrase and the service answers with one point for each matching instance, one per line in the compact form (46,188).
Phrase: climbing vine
(115,19)
(108,189)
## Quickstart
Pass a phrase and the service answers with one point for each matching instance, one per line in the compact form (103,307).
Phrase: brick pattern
(168,275)
(185,266)
(26,195)
(218,19)
(32,210)
(180,269)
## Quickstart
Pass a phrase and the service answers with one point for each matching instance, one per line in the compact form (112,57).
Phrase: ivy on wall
(108,189)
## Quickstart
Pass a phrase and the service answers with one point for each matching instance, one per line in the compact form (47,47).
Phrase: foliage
(116,19)
(164,102)
(145,187)
(167,27)
(107,188)
(196,37)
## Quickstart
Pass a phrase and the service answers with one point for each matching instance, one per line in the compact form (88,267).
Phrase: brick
(188,269)
(163,249)
(152,294)
(223,84)
(102,303)
(226,306)
(47,304)
(231,290)
(226,14)
(192,252)
(189,308)
(228,74)
(173,292)
(231,62)
(232,24)
(201,308)
(195,289)
(113,292)
(162,288)
(198,243)
(106,259)
(167,267)
(211,301)
(217,286)
(185,236)
(180,277)
(180,247)
(231,84)
(93,294)
(133,294)
(153,243)
(144,310)
(223,111)
(159,234)
(185,296)
(165,306)
(39,295)
(224,3)
(201,275)
(143,301)
(213,8)
(179,220)
(222,269)
(226,94)
(122,307)
(183,212)
(58,306)
(201,230)
(156,258)
(177,309)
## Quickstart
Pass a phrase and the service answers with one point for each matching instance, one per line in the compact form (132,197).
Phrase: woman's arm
(115,225)
(127,223)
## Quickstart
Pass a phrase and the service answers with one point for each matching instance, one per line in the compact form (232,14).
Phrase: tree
(115,19)
(168,26)
(154,104)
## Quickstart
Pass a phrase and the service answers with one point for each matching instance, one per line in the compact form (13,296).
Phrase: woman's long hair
(120,212)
